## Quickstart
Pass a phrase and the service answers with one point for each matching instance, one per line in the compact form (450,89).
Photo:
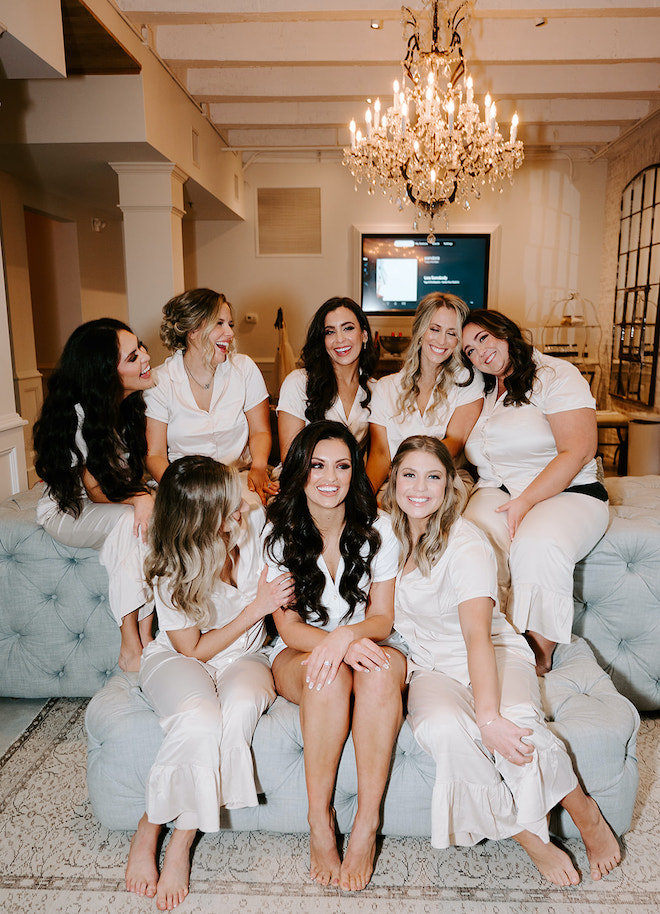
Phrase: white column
(151,200)
(13,474)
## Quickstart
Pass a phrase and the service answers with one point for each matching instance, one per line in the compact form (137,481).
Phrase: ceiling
(286,76)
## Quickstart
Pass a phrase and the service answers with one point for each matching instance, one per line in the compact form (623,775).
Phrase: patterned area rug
(55,857)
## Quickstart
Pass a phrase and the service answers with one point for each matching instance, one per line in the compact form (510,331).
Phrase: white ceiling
(288,75)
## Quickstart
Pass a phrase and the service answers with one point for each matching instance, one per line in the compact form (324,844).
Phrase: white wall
(550,244)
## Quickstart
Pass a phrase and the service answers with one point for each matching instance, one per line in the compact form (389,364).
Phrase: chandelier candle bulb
(367,119)
(470,90)
(493,122)
(514,129)
(450,115)
(351,127)
(377,114)
(395,89)
(404,116)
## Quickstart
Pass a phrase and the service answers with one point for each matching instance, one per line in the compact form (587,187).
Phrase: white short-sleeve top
(293,400)
(228,600)
(383,567)
(510,445)
(222,432)
(385,411)
(426,608)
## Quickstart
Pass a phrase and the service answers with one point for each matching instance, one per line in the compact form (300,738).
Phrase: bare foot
(600,842)
(551,861)
(141,869)
(358,864)
(175,875)
(129,662)
(324,862)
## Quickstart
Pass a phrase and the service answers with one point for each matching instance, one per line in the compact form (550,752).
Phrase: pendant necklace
(192,376)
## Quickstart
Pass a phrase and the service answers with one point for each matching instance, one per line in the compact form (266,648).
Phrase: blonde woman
(205,675)
(432,394)
(473,701)
(208,399)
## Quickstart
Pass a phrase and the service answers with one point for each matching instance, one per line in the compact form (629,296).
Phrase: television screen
(398,269)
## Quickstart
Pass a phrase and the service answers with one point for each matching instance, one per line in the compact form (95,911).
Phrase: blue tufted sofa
(57,637)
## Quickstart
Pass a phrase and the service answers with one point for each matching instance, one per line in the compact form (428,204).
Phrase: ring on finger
(327,663)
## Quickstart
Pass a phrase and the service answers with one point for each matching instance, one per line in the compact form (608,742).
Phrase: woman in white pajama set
(339,358)
(473,700)
(90,446)
(432,394)
(205,675)
(537,497)
(208,399)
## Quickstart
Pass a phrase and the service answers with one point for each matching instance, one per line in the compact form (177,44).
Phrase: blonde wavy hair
(192,533)
(189,311)
(412,366)
(432,543)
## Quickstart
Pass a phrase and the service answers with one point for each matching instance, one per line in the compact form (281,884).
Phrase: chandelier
(431,147)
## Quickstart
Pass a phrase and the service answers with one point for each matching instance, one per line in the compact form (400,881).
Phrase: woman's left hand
(505,737)
(260,482)
(326,658)
(367,656)
(143,506)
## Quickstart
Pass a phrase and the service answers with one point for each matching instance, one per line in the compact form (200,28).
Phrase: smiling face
(133,366)
(440,338)
(330,474)
(488,353)
(212,341)
(343,336)
(421,482)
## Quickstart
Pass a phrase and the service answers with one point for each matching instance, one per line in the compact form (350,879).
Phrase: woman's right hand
(143,506)
(272,595)
(325,659)
(503,736)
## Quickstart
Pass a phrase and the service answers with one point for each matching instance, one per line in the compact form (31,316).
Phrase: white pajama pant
(208,718)
(109,529)
(477,795)
(535,570)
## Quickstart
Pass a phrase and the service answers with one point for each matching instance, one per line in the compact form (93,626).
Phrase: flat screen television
(397,269)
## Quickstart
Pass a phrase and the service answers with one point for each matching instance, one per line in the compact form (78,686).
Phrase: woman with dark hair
(90,448)
(205,675)
(433,394)
(538,496)
(333,656)
(339,358)
(207,398)
(474,703)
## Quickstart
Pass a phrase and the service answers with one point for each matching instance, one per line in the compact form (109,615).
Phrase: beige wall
(549,244)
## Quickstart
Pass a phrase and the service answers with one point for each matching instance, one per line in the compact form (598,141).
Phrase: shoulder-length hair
(192,533)
(113,426)
(321,380)
(190,311)
(432,543)
(448,372)
(294,539)
(520,381)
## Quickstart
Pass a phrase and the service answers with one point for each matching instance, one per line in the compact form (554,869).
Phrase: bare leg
(600,842)
(377,716)
(130,651)
(551,861)
(141,869)
(324,719)
(145,629)
(543,651)
(175,875)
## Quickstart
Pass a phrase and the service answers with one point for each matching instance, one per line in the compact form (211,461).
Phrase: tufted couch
(57,637)
(597,725)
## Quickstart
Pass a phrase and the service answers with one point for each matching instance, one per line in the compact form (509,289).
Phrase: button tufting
(81,635)
(60,674)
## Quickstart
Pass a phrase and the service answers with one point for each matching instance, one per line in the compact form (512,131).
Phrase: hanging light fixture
(431,147)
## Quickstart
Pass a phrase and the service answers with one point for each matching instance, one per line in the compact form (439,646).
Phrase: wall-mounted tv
(397,269)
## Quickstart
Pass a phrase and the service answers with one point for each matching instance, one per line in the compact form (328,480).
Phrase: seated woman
(433,393)
(207,398)
(90,448)
(332,657)
(205,675)
(474,702)
(537,497)
(339,358)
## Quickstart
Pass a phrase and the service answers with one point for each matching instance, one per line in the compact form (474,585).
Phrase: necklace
(192,377)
